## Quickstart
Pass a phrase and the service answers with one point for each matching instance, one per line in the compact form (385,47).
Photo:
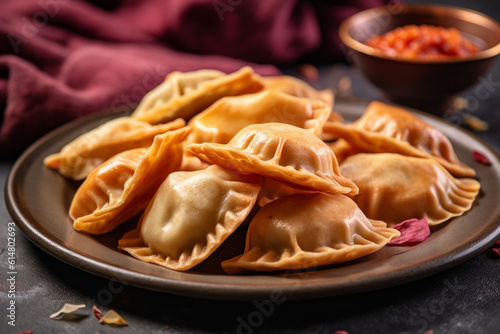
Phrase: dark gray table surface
(463,299)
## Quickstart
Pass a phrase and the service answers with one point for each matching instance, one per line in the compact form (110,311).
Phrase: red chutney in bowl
(423,42)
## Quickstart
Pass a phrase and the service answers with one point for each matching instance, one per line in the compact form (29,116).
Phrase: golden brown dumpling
(342,149)
(82,155)
(283,152)
(394,188)
(122,187)
(296,87)
(307,231)
(191,214)
(190,162)
(299,88)
(388,129)
(273,190)
(334,117)
(183,95)
(225,118)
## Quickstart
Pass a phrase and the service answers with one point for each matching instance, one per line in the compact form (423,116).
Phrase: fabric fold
(61,59)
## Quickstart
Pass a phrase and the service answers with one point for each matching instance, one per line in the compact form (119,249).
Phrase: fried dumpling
(299,88)
(190,216)
(342,149)
(394,188)
(279,151)
(122,186)
(225,118)
(82,155)
(185,94)
(308,231)
(296,87)
(388,129)
(334,117)
(190,162)
(273,190)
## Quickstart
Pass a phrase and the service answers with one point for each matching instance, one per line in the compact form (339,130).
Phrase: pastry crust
(183,95)
(308,231)
(122,187)
(225,118)
(190,216)
(296,87)
(85,153)
(282,152)
(384,128)
(394,188)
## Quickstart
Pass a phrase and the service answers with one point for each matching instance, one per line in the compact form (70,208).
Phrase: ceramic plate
(38,200)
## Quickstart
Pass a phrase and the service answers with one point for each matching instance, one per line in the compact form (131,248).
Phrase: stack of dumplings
(207,153)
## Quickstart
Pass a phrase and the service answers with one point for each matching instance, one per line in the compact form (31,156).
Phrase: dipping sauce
(423,42)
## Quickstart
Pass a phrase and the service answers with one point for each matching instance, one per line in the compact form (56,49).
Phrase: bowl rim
(461,12)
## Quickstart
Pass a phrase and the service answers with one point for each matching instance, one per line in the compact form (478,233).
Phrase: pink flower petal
(481,158)
(413,231)
(498,242)
(496,250)
(97,312)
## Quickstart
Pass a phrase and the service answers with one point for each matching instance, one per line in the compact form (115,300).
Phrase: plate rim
(223,291)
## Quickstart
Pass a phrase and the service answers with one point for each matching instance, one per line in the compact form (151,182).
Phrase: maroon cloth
(62,59)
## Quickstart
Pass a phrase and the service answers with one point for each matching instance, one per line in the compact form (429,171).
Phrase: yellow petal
(67,308)
(113,318)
